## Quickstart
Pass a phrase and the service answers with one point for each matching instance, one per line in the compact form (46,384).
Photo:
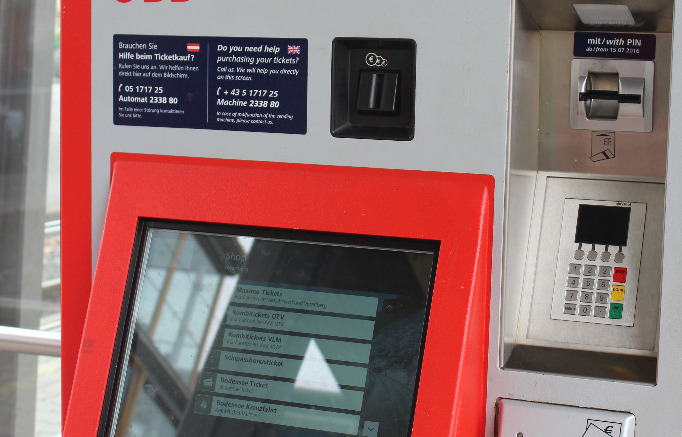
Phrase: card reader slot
(610,95)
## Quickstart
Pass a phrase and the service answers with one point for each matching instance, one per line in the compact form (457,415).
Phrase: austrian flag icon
(192,47)
(294,50)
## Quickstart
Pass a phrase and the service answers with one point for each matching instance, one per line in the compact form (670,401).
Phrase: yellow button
(617,292)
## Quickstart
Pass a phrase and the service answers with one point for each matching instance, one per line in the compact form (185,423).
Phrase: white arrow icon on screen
(315,373)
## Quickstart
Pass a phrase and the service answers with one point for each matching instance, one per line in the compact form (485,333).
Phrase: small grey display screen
(599,224)
(247,332)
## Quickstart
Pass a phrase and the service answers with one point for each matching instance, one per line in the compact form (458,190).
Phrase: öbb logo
(152,1)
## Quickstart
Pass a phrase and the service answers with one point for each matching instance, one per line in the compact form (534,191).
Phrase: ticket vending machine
(573,110)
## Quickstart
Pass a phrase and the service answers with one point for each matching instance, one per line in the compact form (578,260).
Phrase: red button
(619,274)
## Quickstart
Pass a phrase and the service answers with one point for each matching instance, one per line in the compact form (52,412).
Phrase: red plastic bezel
(455,209)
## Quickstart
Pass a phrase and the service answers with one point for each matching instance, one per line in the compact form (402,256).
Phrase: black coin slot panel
(373,88)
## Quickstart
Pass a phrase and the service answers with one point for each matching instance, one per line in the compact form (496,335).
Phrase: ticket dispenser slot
(586,183)
(534,419)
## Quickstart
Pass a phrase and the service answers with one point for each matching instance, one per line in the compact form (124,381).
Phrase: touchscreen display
(245,332)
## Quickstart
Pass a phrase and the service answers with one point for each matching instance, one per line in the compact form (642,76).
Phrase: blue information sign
(243,84)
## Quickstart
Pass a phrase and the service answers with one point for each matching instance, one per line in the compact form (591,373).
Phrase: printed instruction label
(640,46)
(240,84)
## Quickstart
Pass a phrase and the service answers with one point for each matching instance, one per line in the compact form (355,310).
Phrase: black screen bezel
(124,327)
(603,224)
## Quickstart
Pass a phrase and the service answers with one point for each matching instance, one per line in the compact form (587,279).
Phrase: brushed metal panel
(535,322)
(533,419)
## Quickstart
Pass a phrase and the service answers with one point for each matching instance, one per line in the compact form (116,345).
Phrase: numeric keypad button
(574,269)
(604,271)
(603,284)
(571,295)
(600,311)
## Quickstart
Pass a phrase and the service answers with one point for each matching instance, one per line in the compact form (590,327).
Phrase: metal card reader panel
(534,419)
(607,96)
(614,95)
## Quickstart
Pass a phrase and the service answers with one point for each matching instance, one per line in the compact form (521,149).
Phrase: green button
(616,311)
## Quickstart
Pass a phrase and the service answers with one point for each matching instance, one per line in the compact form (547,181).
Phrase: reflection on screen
(271,336)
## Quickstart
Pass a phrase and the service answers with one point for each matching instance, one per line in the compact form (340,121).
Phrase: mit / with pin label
(639,46)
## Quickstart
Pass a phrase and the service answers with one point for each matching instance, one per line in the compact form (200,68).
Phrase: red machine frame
(76,192)
(454,209)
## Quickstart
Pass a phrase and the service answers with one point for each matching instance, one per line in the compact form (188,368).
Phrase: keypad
(594,282)
(594,290)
